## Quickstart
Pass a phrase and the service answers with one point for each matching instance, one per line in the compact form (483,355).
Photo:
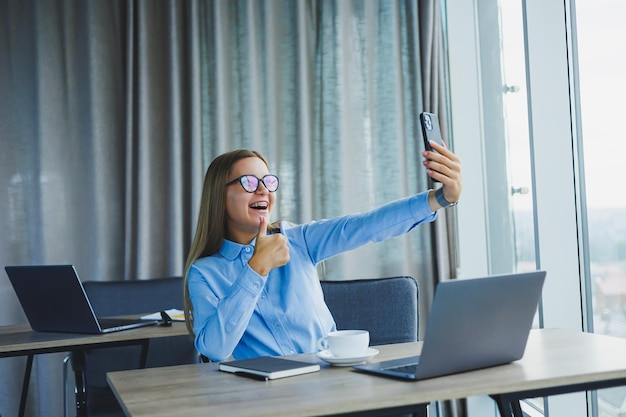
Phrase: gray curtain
(110,112)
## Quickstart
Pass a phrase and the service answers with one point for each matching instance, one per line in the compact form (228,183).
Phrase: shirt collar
(231,250)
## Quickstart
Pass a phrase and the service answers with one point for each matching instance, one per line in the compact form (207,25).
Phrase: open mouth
(261,205)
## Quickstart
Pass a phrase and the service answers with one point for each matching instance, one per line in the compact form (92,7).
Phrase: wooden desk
(23,341)
(556,361)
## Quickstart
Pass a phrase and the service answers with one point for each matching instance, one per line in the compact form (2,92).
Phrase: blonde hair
(211,226)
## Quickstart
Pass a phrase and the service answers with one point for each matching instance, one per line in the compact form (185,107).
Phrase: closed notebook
(269,367)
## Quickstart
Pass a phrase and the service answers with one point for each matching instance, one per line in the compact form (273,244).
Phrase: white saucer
(326,356)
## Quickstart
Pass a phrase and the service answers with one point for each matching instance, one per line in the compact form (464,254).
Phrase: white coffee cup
(345,343)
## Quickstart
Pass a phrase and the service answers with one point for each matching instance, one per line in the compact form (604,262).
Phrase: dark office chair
(94,398)
(386,307)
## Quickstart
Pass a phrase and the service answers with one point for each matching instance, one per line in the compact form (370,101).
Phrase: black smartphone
(430,129)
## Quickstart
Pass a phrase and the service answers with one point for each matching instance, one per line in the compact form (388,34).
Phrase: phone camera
(428,124)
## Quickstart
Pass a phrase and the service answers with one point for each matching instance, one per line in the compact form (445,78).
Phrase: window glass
(601,68)
(517,136)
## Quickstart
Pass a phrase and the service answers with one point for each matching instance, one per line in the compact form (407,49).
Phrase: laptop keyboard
(405,369)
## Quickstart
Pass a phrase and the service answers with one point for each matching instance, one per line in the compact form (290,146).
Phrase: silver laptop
(54,300)
(473,323)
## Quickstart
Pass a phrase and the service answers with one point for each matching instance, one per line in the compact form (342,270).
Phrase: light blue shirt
(241,313)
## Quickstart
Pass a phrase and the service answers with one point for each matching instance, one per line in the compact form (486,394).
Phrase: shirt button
(248,249)
(255,286)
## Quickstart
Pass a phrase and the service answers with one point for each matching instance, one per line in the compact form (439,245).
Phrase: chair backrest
(386,307)
(114,298)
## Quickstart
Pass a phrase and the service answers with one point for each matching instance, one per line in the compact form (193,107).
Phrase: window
(536,106)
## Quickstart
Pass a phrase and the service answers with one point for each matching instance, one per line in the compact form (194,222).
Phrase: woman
(251,287)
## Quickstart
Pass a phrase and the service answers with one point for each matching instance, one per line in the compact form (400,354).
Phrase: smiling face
(243,209)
